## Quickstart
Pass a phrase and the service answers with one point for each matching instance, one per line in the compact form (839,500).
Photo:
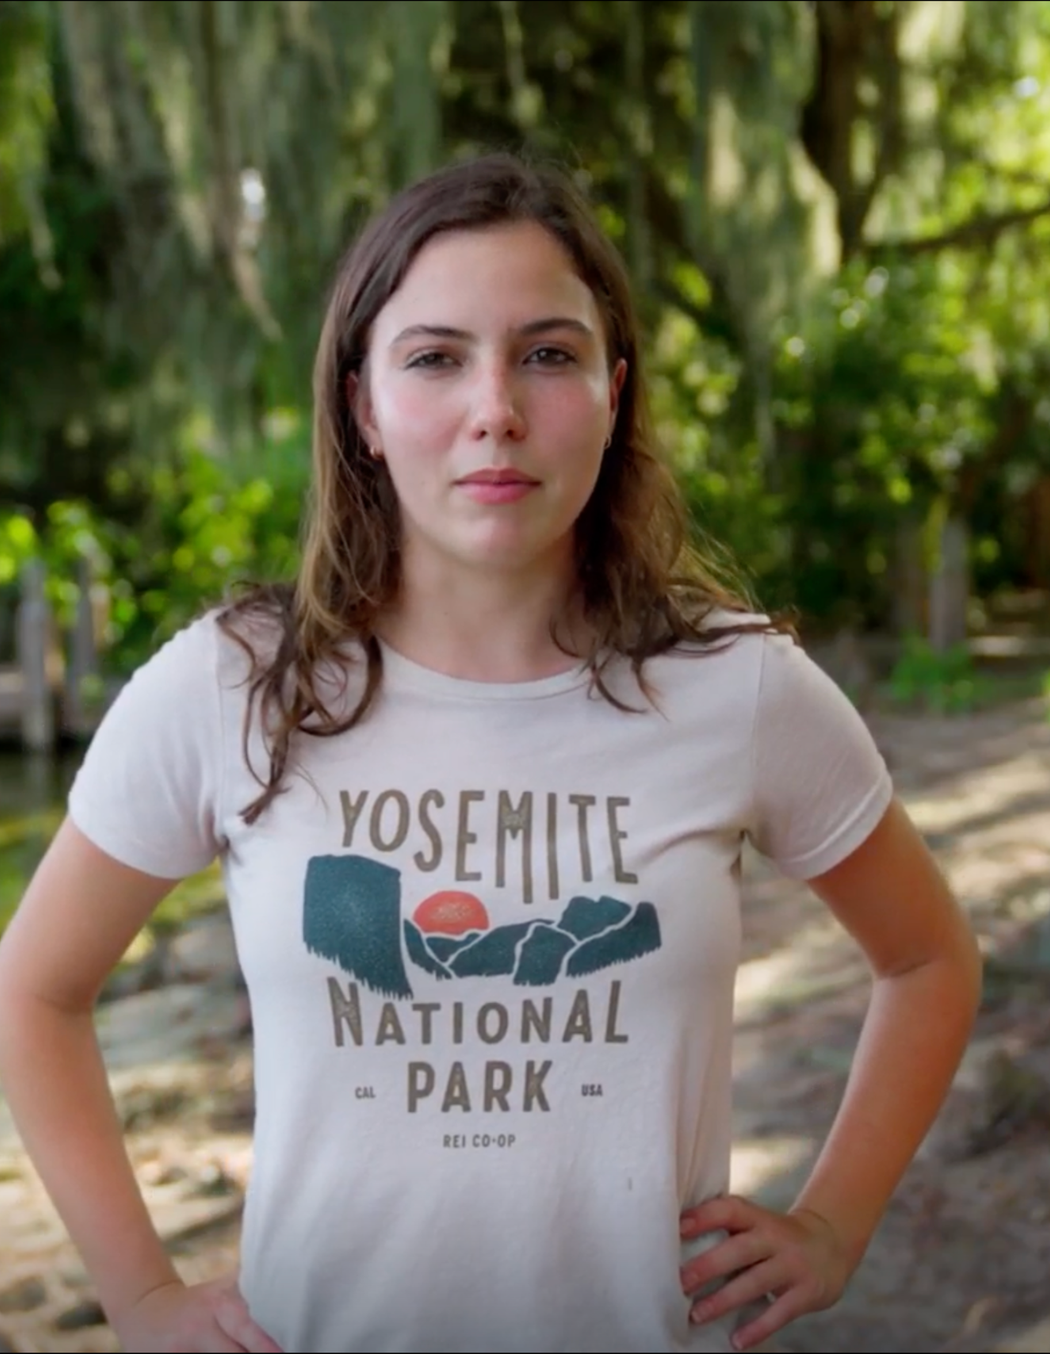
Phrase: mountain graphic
(352,916)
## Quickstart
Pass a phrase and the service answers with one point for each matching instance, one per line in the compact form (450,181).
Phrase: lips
(497,477)
(497,487)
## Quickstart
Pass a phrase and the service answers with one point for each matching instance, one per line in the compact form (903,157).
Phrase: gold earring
(375,453)
(607,443)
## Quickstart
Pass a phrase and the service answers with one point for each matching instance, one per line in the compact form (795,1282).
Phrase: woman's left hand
(792,1260)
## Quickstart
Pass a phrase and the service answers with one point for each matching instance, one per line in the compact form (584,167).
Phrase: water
(33,793)
(32,802)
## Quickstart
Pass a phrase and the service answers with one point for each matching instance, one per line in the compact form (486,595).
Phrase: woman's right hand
(206,1318)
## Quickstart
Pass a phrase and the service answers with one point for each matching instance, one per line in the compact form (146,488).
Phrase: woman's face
(489,395)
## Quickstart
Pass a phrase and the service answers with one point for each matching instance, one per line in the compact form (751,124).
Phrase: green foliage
(837,218)
(192,530)
(25,833)
(18,544)
(26,110)
(696,386)
(208,526)
(882,415)
(943,682)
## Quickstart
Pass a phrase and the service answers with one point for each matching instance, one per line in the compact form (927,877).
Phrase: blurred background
(837,216)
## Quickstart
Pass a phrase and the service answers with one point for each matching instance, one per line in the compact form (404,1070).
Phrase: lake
(32,803)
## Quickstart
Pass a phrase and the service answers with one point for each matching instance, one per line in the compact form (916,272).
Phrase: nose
(497,407)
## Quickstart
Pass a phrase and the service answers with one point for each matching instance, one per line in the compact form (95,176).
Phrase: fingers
(752,1285)
(232,1318)
(774,1318)
(755,1286)
(741,1251)
(727,1213)
(216,1342)
(761,1253)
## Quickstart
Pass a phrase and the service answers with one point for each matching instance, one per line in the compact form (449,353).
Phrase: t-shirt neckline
(405,674)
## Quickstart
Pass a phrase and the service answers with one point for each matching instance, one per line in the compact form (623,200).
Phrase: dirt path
(962,1260)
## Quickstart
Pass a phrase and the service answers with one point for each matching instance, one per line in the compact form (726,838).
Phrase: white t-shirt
(490,938)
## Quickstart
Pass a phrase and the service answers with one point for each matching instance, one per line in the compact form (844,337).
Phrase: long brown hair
(643,585)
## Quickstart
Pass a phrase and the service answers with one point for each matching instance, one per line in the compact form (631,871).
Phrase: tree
(835,213)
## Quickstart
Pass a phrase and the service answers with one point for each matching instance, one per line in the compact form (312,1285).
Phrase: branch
(981,229)
(888,124)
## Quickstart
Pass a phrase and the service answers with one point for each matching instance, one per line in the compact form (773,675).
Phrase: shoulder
(148,787)
(219,664)
(192,669)
(747,676)
(728,657)
(182,663)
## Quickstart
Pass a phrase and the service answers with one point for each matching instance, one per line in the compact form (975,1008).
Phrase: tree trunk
(910,590)
(1037,563)
(950,586)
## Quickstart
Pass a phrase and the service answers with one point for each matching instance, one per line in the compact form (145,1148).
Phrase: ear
(360,405)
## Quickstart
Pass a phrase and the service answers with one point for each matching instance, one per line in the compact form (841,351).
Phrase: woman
(480,784)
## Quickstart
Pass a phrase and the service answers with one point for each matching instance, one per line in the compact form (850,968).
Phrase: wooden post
(83,653)
(909,593)
(950,587)
(1039,534)
(34,632)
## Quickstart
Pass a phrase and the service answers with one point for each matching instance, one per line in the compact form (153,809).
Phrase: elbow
(956,974)
(951,977)
(960,969)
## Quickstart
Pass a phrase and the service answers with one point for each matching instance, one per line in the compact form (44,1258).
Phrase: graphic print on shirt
(352,916)
(388,950)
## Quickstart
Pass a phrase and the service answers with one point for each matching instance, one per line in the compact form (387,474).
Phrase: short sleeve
(147,790)
(821,784)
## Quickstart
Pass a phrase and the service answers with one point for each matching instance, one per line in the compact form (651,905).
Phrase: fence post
(83,652)
(33,638)
(949,587)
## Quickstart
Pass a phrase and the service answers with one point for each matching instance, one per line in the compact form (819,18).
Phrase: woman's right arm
(79,914)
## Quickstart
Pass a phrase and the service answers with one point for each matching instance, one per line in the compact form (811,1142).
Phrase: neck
(493,627)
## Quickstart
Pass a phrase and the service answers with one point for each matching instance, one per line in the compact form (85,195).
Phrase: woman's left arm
(892,898)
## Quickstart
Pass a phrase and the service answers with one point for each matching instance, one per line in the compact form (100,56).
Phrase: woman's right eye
(430,360)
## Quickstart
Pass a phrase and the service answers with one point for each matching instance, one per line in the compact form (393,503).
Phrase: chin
(504,554)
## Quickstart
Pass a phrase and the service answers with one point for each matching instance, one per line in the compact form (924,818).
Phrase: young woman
(480,782)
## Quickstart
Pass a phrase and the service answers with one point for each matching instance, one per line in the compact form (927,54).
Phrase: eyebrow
(529,330)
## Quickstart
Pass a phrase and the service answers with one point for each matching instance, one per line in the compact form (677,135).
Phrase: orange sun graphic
(451,914)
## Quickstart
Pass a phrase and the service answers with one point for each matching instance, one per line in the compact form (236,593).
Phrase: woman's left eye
(551,357)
